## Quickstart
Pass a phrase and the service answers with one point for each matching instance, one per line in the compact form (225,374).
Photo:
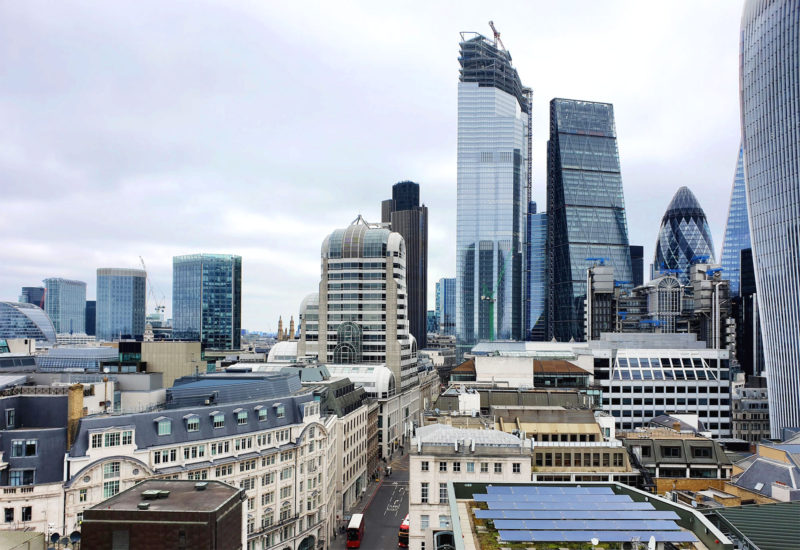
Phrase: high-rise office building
(684,237)
(536,275)
(446,306)
(65,304)
(24,320)
(120,303)
(770,108)
(749,343)
(737,230)
(637,265)
(585,208)
(207,299)
(91,317)
(493,193)
(408,218)
(362,294)
(32,295)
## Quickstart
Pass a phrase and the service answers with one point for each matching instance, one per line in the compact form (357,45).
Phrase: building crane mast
(159,304)
(496,36)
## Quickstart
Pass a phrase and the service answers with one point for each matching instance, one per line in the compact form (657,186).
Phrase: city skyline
(245,175)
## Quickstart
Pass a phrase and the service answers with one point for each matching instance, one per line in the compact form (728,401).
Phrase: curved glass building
(684,237)
(20,320)
(737,230)
(769,82)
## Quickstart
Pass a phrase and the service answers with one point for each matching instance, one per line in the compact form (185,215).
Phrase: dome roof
(361,239)
(283,352)
(683,205)
(684,237)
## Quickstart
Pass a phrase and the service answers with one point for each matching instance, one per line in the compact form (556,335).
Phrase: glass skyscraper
(446,306)
(207,299)
(585,208)
(65,304)
(770,108)
(684,237)
(536,267)
(493,193)
(737,230)
(32,295)
(120,309)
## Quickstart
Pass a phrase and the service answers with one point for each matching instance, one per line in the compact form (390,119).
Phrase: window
(484,467)
(241,418)
(701,452)
(164,427)
(97,441)
(9,515)
(286,492)
(470,467)
(456,467)
(27,513)
(110,488)
(127,437)
(20,477)
(515,468)
(110,469)
(671,452)
(82,495)
(424,466)
(112,439)
(193,424)
(424,521)
(11,417)
(424,493)
(280,411)
(262,415)
(444,521)
(498,467)
(443,466)
(219,420)
(442,493)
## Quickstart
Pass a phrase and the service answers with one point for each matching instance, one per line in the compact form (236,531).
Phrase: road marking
(396,498)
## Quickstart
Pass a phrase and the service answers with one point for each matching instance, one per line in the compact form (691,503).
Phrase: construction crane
(496,36)
(159,304)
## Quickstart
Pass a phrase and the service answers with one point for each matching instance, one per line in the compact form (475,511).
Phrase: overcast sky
(256,128)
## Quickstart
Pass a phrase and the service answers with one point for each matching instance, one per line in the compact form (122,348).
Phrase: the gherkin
(684,237)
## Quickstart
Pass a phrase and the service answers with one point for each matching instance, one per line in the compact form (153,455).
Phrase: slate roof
(763,472)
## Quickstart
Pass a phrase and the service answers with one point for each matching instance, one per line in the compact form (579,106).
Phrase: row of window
(111,439)
(581,460)
(218,419)
(470,467)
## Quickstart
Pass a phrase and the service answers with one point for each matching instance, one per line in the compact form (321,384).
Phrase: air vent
(163,494)
(150,494)
(144,506)
(200,486)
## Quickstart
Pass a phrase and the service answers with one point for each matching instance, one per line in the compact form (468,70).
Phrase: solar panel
(550,498)
(585,525)
(602,536)
(500,505)
(534,490)
(576,514)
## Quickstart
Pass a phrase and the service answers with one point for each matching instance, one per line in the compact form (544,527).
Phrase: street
(385,510)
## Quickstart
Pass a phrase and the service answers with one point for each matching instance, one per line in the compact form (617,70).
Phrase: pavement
(385,505)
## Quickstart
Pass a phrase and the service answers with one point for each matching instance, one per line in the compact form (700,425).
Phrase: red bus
(403,535)
(355,531)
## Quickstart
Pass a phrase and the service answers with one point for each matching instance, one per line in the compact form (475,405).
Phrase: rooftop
(180,496)
(766,526)
(439,434)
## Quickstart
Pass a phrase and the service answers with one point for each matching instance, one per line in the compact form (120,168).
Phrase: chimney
(676,426)
(75,411)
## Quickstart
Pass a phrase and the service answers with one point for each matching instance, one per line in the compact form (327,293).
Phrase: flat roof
(183,496)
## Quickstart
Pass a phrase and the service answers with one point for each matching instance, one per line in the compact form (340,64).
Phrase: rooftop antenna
(497,36)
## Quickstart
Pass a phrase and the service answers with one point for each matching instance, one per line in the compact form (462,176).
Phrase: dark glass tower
(32,295)
(637,264)
(585,208)
(410,219)
(493,178)
(91,317)
(536,268)
(769,82)
(684,237)
(207,299)
(737,230)
(749,343)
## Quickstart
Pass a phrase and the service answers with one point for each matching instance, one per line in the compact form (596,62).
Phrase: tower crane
(159,304)
(496,36)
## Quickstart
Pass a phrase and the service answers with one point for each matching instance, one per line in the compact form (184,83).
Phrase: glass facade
(737,230)
(21,320)
(446,306)
(684,237)
(32,295)
(120,303)
(207,299)
(65,304)
(585,208)
(770,107)
(536,267)
(492,196)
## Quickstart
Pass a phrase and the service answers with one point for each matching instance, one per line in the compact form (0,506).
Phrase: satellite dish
(595,541)
(651,545)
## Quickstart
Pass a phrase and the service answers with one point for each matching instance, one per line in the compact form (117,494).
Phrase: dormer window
(241,417)
(218,419)
(192,423)
(280,410)
(262,413)
(164,425)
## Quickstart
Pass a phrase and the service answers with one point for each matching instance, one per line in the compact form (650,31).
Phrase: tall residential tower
(493,193)
(769,82)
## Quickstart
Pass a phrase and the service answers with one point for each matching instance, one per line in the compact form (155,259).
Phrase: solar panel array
(575,514)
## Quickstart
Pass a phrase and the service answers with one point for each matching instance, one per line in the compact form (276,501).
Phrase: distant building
(585,208)
(158,513)
(446,306)
(91,317)
(749,341)
(737,229)
(207,299)
(23,320)
(121,295)
(408,218)
(66,305)
(637,264)
(750,408)
(536,267)
(433,322)
(684,237)
(33,295)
